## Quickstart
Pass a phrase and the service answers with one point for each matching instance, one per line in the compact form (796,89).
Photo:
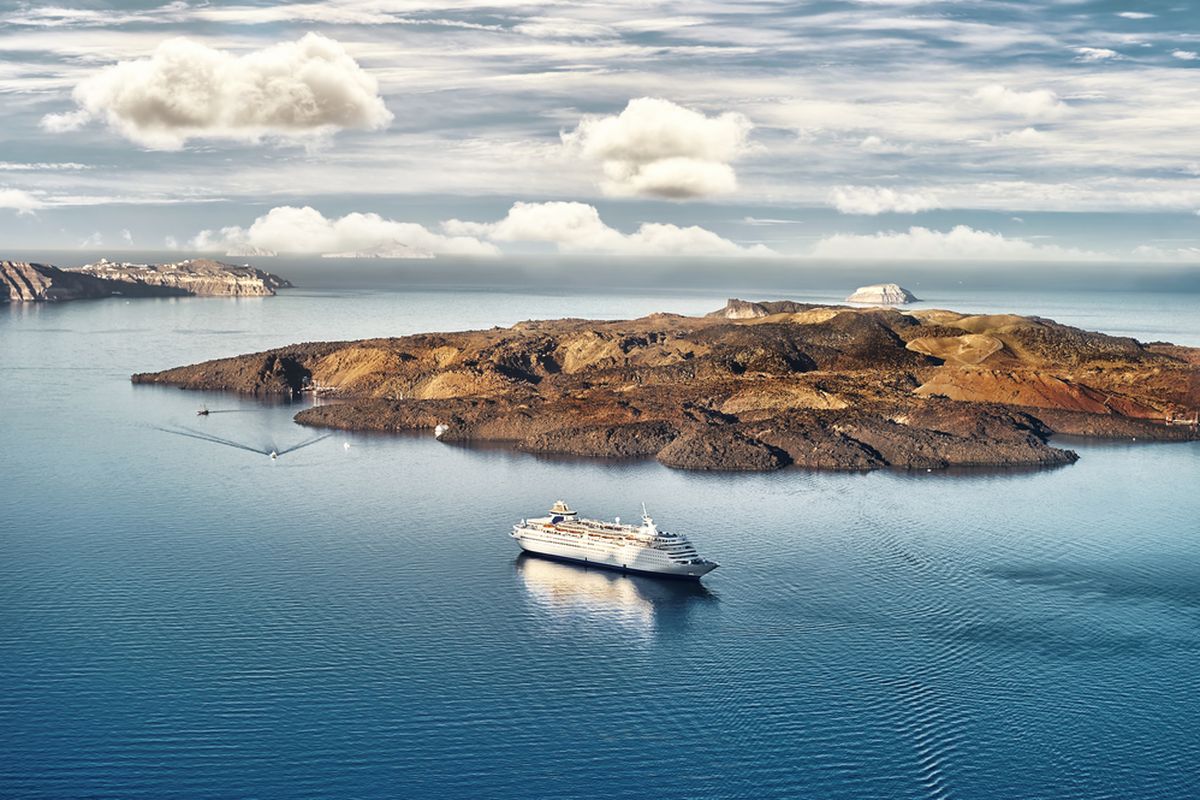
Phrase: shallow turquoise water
(180,619)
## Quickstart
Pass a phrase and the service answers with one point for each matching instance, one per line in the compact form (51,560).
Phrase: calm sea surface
(180,619)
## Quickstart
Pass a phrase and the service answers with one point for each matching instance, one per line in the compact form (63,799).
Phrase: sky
(1047,132)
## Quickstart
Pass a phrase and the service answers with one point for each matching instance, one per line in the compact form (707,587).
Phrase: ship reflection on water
(570,595)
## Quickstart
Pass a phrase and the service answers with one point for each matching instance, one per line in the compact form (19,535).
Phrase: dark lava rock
(722,449)
(609,441)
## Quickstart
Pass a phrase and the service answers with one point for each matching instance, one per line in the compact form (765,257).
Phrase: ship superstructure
(633,548)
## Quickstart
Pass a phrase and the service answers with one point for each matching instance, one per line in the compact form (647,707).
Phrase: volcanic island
(752,386)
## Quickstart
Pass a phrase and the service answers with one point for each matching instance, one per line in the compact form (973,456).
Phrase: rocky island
(754,386)
(27,282)
(882,294)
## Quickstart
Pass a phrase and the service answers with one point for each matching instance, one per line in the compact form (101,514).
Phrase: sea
(182,619)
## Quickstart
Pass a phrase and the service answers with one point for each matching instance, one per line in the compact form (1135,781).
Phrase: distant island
(882,294)
(754,386)
(384,251)
(30,282)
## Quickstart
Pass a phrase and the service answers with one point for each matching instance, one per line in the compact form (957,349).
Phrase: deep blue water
(181,619)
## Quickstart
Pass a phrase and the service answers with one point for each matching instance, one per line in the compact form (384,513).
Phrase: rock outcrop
(882,294)
(744,309)
(818,387)
(195,276)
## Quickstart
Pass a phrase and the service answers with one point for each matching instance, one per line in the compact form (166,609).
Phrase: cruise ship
(632,548)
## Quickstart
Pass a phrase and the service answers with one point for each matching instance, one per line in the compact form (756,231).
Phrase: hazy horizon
(775,274)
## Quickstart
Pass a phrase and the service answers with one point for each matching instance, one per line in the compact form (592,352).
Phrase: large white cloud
(872,200)
(288,229)
(961,242)
(186,89)
(658,148)
(21,201)
(577,228)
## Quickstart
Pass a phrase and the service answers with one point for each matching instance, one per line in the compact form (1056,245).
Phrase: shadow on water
(1174,588)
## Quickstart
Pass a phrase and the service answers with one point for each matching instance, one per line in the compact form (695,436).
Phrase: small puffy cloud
(658,148)
(879,146)
(961,242)
(874,200)
(1136,15)
(1025,137)
(287,229)
(19,200)
(577,228)
(126,236)
(1095,54)
(1186,55)
(1035,104)
(188,90)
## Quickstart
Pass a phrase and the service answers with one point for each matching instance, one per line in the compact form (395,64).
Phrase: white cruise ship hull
(642,560)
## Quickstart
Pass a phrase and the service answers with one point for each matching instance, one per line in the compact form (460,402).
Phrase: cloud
(1186,55)
(657,148)
(874,144)
(188,90)
(1039,103)
(1025,137)
(563,28)
(577,228)
(1149,252)
(287,229)
(874,200)
(961,242)
(20,201)
(1136,15)
(1095,54)
(126,236)
(41,166)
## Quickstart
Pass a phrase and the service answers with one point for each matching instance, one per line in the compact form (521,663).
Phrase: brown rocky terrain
(754,386)
(25,282)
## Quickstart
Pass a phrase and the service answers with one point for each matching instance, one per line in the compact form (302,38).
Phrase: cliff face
(196,276)
(826,388)
(24,282)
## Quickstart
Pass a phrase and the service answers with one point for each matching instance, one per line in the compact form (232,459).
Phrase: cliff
(820,387)
(195,276)
(24,282)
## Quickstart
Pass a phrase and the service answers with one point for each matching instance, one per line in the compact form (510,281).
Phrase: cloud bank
(577,228)
(288,229)
(872,200)
(570,227)
(961,242)
(660,149)
(188,90)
